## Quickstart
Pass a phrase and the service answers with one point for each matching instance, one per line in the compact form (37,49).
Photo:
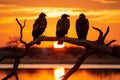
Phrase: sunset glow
(59,72)
(101,13)
(53,60)
(47,74)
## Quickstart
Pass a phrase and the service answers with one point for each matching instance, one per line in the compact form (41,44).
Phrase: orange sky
(101,13)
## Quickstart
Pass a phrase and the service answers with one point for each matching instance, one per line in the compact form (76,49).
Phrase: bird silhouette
(39,26)
(82,26)
(62,27)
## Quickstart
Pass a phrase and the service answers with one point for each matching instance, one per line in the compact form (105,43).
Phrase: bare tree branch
(14,70)
(24,23)
(77,65)
(16,57)
(100,33)
(110,42)
(107,31)
(92,47)
(21,28)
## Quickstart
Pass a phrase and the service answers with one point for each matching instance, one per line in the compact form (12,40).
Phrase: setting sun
(58,57)
(58,73)
(56,45)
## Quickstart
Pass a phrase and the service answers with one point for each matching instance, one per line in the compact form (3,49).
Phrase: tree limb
(77,65)
(100,33)
(14,70)
(21,29)
(107,31)
(16,57)
(92,47)
(110,42)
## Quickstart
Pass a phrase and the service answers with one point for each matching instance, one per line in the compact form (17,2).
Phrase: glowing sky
(101,13)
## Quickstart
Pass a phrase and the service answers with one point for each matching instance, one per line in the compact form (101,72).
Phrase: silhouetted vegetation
(104,72)
(38,53)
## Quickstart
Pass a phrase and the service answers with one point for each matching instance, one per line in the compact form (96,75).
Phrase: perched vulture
(82,26)
(39,26)
(62,27)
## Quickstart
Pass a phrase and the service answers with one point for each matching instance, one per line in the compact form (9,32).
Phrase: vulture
(82,27)
(39,26)
(62,27)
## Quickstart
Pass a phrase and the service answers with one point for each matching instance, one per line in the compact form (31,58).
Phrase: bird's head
(65,16)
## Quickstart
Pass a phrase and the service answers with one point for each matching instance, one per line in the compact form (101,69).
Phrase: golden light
(56,45)
(58,73)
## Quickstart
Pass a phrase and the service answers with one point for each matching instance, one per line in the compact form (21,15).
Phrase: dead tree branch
(107,31)
(100,33)
(14,70)
(16,57)
(21,29)
(92,47)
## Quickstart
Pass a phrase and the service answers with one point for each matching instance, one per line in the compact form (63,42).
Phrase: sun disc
(58,73)
(56,45)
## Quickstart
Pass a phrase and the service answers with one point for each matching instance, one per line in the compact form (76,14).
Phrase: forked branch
(107,31)
(92,47)
(100,33)
(21,29)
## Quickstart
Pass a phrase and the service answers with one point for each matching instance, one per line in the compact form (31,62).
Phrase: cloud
(33,12)
(107,1)
(111,16)
(8,14)
(88,4)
